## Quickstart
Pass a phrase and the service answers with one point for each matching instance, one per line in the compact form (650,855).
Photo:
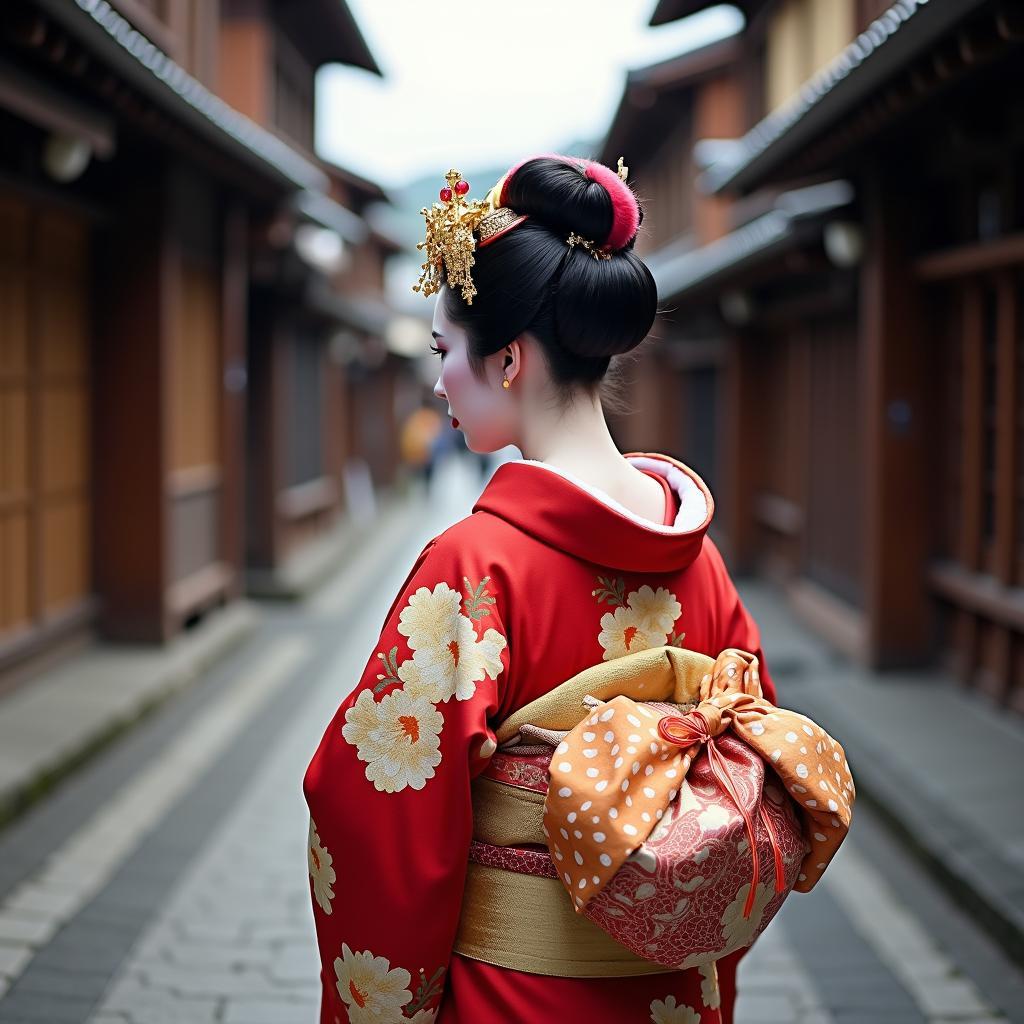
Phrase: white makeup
(483,408)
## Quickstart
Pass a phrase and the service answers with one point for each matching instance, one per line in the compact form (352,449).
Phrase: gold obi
(526,922)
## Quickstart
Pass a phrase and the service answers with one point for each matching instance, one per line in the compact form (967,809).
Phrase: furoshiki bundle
(649,814)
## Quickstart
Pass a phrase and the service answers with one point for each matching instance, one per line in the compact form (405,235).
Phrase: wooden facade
(46,477)
(663,108)
(136,369)
(880,480)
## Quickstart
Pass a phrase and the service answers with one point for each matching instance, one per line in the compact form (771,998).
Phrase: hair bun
(582,310)
(625,209)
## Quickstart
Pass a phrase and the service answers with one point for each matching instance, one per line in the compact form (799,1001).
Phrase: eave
(843,89)
(164,83)
(326,32)
(795,213)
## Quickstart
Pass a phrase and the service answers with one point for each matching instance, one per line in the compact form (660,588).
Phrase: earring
(506,383)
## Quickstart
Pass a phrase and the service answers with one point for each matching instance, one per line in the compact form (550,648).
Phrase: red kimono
(546,577)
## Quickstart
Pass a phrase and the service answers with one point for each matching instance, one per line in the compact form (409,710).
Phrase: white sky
(486,82)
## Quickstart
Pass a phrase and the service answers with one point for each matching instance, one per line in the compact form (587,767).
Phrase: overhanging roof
(326,31)
(367,189)
(321,209)
(904,31)
(149,70)
(365,312)
(676,274)
(672,10)
(665,76)
(685,67)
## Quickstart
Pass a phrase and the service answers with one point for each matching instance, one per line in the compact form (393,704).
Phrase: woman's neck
(577,440)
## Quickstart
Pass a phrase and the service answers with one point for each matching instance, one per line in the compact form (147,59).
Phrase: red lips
(455,423)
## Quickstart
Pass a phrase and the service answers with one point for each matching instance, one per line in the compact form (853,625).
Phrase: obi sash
(516,912)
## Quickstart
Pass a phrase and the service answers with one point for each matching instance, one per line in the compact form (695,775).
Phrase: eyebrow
(436,336)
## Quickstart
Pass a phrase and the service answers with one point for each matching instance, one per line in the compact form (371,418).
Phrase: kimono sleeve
(388,791)
(735,626)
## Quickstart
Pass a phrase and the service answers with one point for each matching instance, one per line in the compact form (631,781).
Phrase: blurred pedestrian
(417,441)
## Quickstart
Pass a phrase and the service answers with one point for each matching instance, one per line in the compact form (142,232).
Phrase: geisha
(574,555)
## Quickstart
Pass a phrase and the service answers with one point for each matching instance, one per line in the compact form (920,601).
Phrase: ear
(512,359)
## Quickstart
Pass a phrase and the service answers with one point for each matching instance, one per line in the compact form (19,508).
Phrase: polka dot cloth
(613,776)
(611,780)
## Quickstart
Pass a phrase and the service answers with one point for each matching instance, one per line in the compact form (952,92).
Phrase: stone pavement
(235,940)
(55,721)
(166,882)
(61,717)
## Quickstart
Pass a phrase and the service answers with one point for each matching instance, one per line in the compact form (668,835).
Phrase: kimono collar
(564,511)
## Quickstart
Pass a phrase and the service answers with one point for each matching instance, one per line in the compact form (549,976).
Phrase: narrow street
(181,851)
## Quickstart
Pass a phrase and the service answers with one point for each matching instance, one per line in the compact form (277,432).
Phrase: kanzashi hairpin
(595,251)
(450,241)
(456,226)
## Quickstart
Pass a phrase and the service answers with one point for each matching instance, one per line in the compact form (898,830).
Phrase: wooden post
(1007,404)
(1007,486)
(234,346)
(897,408)
(739,451)
(263,439)
(138,293)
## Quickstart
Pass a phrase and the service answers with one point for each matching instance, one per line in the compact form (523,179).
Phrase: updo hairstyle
(580,309)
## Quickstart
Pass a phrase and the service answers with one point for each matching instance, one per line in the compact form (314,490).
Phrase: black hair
(582,310)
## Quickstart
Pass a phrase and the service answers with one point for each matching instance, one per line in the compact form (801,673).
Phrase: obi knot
(698,726)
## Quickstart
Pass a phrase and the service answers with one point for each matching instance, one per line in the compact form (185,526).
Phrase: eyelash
(437,351)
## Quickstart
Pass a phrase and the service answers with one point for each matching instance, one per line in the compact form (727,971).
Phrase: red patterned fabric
(521,859)
(680,897)
(545,578)
(525,772)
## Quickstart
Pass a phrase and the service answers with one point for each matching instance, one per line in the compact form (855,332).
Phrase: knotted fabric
(625,763)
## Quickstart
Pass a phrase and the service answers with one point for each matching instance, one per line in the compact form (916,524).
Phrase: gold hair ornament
(594,250)
(450,227)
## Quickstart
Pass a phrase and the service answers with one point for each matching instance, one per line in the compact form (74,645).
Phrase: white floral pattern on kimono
(665,1011)
(449,660)
(320,869)
(642,620)
(709,991)
(372,991)
(398,738)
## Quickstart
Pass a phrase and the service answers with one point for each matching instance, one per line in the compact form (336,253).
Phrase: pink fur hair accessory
(625,208)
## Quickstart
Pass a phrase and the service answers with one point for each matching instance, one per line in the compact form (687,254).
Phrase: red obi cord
(693,728)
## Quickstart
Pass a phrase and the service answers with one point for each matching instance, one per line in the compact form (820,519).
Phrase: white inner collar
(693,506)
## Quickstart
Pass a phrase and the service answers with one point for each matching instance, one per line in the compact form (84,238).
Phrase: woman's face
(482,409)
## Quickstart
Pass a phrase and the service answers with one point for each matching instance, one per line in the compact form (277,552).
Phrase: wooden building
(865,307)
(664,109)
(317,310)
(143,219)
